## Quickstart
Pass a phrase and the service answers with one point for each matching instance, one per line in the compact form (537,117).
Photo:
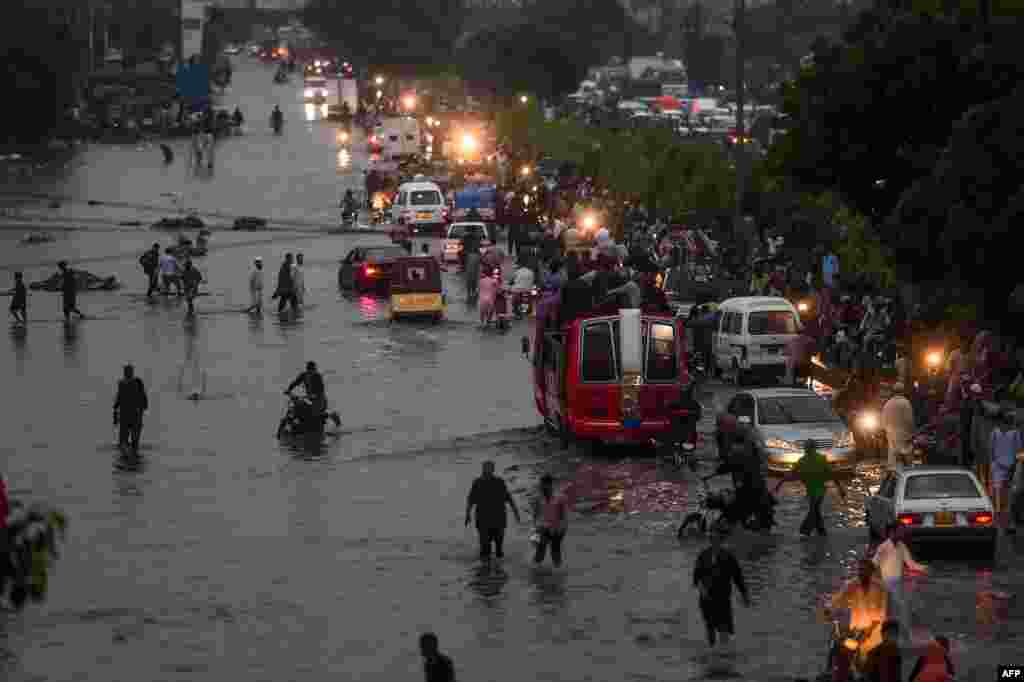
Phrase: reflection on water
(316,112)
(370,307)
(488,580)
(70,337)
(548,588)
(19,339)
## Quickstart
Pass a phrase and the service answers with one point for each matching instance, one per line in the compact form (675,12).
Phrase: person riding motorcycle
(867,601)
(312,382)
(752,495)
(348,204)
(277,119)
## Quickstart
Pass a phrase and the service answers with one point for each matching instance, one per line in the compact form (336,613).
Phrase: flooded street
(229,555)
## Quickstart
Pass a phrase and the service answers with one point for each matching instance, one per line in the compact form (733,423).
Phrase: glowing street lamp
(379,80)
(524,99)
(409,101)
(589,222)
(525,171)
(379,94)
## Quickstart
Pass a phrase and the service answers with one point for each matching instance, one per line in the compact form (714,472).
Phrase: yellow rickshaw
(416,289)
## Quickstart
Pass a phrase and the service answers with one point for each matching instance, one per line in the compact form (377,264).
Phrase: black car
(368,268)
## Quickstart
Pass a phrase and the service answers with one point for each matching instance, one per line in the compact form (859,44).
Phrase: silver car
(779,422)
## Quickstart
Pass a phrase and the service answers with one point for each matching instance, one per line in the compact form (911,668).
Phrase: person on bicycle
(312,383)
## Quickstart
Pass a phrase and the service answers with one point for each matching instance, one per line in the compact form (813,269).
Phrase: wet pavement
(228,554)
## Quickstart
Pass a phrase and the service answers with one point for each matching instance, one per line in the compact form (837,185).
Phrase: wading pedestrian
(1005,442)
(69,291)
(814,471)
(285,290)
(169,272)
(898,422)
(256,288)
(19,299)
(299,280)
(714,574)
(489,494)
(150,262)
(436,666)
(191,278)
(129,405)
(891,557)
(551,515)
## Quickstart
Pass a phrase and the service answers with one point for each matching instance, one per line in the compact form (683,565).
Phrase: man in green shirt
(814,471)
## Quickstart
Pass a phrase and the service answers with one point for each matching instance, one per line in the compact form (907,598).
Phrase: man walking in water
(69,291)
(256,288)
(714,575)
(191,279)
(299,280)
(129,405)
(489,495)
(150,262)
(285,291)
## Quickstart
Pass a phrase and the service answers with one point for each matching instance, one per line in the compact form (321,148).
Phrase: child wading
(19,299)
(714,575)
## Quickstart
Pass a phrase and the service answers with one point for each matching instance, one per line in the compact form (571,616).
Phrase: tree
(966,213)
(871,115)
(410,38)
(42,56)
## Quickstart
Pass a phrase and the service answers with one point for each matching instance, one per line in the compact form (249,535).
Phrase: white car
(936,504)
(452,246)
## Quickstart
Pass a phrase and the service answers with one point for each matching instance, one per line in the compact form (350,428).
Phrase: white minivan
(752,336)
(420,205)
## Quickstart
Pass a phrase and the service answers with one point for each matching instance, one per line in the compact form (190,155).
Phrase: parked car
(452,247)
(778,422)
(938,505)
(368,268)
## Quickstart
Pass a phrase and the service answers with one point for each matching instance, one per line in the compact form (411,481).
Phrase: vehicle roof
(934,469)
(385,250)
(419,185)
(753,302)
(779,392)
(468,224)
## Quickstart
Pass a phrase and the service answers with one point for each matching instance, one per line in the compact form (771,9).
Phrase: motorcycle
(846,653)
(721,512)
(680,447)
(276,124)
(523,301)
(300,420)
(348,217)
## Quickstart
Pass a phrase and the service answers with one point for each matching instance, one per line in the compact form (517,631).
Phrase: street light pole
(740,148)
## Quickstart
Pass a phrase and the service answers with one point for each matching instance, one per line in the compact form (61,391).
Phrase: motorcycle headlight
(845,441)
(851,644)
(868,421)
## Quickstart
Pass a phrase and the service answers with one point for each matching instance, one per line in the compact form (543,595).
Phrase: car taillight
(980,518)
(373,140)
(909,519)
(367,270)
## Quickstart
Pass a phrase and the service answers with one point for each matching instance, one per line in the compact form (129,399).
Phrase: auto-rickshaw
(416,288)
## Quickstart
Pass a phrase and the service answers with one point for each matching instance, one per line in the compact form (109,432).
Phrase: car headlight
(845,441)
(779,444)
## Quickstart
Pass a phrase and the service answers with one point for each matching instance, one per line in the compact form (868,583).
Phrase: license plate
(631,423)
(418,301)
(424,215)
(944,518)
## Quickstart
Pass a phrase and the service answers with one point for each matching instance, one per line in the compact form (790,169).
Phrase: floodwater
(228,554)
